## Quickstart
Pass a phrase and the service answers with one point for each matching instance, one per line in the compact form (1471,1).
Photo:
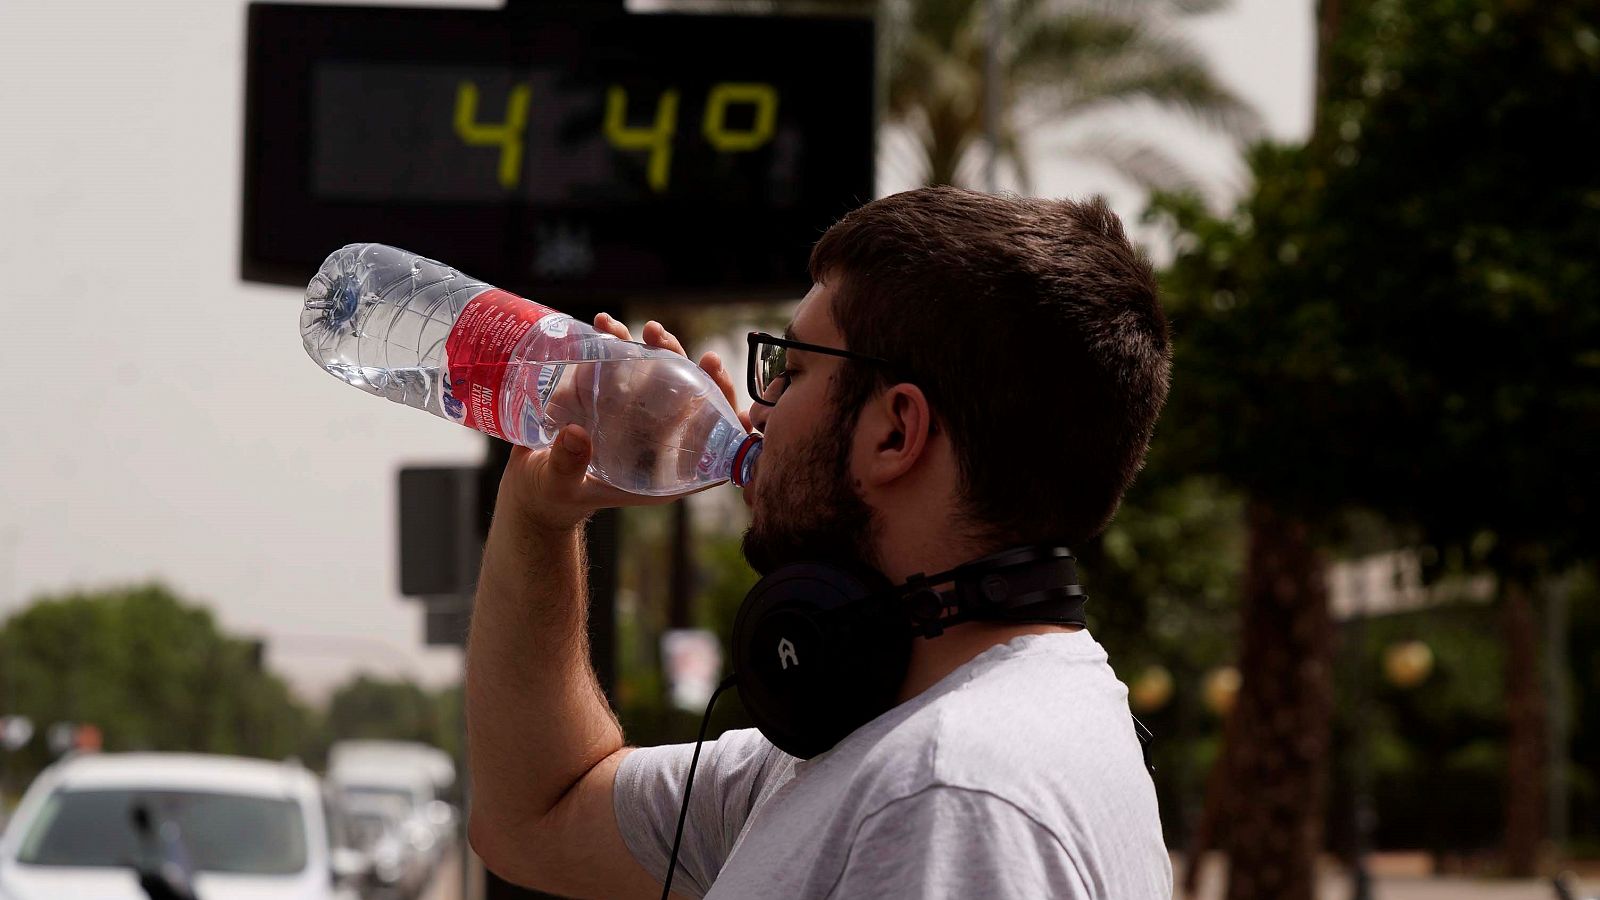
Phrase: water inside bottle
(655,426)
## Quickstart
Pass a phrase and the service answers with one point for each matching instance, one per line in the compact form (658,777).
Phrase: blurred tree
(1437,747)
(1404,315)
(1163,582)
(371,708)
(150,670)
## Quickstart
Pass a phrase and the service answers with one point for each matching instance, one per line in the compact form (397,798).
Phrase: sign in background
(594,156)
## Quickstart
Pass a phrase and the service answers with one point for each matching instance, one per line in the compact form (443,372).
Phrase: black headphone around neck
(820,649)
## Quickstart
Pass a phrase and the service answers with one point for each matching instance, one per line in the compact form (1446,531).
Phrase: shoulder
(1040,724)
(1036,702)
(945,841)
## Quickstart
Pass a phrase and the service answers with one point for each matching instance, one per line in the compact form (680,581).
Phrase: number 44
(656,138)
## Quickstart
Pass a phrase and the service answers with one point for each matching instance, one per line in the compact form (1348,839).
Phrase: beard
(810,509)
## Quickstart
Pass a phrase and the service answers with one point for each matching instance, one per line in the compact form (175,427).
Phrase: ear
(893,431)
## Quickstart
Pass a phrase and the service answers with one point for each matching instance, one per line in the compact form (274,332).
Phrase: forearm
(537,720)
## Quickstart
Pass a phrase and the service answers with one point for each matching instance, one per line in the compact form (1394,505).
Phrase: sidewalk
(1400,877)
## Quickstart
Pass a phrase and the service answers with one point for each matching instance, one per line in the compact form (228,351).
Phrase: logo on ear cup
(786,654)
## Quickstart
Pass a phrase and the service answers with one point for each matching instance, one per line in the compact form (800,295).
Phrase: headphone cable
(688,785)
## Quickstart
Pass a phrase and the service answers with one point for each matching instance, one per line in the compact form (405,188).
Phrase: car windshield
(372,790)
(367,828)
(230,833)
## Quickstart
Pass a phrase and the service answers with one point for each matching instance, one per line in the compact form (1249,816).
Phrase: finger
(569,457)
(657,335)
(712,365)
(604,322)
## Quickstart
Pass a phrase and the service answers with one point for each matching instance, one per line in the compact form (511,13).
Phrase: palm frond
(1185,86)
(1071,66)
(1067,47)
(1142,162)
(1012,150)
(1157,7)
(1060,59)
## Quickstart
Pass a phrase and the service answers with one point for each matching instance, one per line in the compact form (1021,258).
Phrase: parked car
(440,769)
(240,829)
(380,827)
(400,768)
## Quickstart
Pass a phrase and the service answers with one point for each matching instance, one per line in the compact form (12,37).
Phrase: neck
(934,658)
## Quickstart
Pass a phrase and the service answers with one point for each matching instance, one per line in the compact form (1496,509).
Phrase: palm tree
(1057,61)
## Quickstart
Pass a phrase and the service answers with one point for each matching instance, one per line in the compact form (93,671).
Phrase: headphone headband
(1024,585)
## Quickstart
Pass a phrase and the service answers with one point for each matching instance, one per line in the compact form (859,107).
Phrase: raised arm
(543,745)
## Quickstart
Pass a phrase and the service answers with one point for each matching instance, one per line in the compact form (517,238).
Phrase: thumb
(569,454)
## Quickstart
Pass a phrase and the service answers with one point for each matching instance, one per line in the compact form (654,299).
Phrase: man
(984,373)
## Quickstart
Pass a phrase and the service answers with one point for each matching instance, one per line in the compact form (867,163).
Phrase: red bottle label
(476,355)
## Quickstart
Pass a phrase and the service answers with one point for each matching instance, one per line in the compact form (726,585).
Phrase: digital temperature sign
(620,155)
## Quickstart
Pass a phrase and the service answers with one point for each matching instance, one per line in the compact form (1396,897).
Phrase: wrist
(534,517)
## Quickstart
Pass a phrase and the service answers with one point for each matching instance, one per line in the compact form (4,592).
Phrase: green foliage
(1403,316)
(1165,577)
(371,708)
(1163,583)
(150,670)
(1404,312)
(1436,749)
(368,707)
(721,579)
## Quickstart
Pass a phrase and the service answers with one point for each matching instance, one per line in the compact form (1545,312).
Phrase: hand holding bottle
(551,488)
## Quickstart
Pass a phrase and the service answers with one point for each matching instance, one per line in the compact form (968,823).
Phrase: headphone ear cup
(818,651)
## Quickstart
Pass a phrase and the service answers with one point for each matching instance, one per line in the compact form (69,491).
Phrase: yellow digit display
(657,138)
(762,96)
(506,135)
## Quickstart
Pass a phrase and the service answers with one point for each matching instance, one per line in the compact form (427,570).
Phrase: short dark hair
(1034,328)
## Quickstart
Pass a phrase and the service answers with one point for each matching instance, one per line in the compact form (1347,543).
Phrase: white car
(407,770)
(379,826)
(250,829)
(428,835)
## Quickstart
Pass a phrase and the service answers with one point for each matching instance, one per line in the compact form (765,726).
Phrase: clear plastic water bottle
(420,333)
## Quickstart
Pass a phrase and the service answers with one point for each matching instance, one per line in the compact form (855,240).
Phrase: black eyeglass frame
(757,338)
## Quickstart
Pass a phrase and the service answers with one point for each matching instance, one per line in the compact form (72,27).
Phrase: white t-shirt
(1016,775)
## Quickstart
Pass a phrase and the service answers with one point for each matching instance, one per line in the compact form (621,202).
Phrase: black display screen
(660,154)
(467,136)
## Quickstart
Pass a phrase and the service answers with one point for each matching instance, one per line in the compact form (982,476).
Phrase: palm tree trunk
(943,157)
(1278,760)
(1525,733)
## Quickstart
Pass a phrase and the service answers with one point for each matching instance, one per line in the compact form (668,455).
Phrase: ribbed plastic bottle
(421,333)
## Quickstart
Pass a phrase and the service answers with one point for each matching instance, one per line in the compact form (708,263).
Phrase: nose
(758,416)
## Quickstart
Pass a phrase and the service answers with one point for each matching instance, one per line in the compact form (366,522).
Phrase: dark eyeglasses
(769,364)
